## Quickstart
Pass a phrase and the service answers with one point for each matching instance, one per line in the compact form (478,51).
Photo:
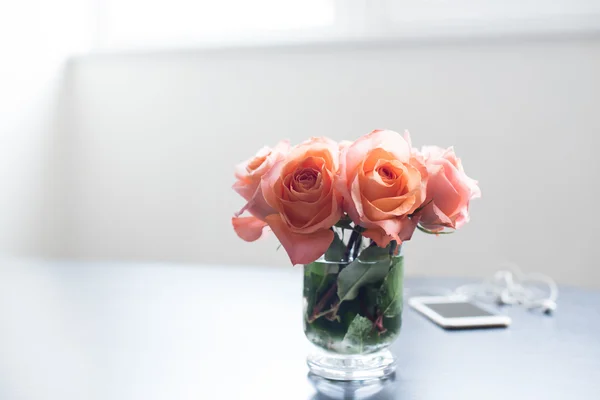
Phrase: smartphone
(452,312)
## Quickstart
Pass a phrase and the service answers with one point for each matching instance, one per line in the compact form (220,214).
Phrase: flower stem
(393,246)
(326,297)
(353,237)
(323,313)
(357,245)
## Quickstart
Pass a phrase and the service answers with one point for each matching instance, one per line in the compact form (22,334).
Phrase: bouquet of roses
(379,182)
(344,209)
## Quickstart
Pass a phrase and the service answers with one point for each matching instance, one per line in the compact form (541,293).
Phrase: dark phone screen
(458,310)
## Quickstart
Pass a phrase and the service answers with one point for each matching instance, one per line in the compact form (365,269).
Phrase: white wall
(24,122)
(32,210)
(35,37)
(155,138)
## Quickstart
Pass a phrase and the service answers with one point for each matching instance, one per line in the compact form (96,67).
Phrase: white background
(129,155)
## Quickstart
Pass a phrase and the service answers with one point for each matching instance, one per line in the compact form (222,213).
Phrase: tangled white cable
(513,287)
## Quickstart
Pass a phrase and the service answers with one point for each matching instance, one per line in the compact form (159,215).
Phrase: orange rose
(383,182)
(249,174)
(301,189)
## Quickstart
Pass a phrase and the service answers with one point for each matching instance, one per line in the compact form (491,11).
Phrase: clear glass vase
(353,311)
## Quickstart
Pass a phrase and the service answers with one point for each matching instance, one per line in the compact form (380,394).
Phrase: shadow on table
(341,390)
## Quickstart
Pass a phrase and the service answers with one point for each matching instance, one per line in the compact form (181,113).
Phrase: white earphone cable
(509,286)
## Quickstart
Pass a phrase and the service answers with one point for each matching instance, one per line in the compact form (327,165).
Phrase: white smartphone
(453,312)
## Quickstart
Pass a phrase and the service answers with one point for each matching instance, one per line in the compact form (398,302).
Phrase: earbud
(547,306)
(507,298)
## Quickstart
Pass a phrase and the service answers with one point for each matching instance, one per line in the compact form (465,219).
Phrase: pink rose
(383,182)
(301,190)
(448,192)
(249,174)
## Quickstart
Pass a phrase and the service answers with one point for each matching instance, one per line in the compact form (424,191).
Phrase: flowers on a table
(380,183)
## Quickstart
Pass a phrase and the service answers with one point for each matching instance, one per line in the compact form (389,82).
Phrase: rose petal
(378,235)
(373,188)
(310,196)
(374,157)
(299,213)
(384,139)
(443,193)
(248,228)
(434,219)
(432,152)
(242,170)
(407,138)
(458,182)
(396,206)
(399,229)
(356,200)
(462,218)
(301,248)
(268,182)
(257,206)
(319,147)
(245,189)
(327,217)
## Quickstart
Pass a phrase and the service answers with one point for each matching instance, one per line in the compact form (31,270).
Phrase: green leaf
(357,274)
(368,299)
(389,297)
(336,249)
(347,311)
(425,230)
(321,269)
(359,330)
(393,326)
(344,222)
(375,254)
(318,277)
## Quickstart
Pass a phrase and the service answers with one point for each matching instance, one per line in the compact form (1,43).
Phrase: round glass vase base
(341,367)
